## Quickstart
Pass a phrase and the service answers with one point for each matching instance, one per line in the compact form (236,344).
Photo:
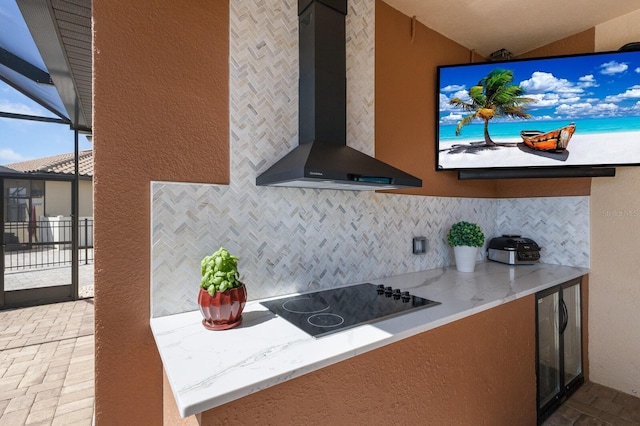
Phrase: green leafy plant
(219,272)
(465,234)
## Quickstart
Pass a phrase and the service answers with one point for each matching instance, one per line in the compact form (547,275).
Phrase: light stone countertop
(209,368)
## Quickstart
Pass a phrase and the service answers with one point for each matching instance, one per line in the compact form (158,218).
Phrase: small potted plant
(465,238)
(222,295)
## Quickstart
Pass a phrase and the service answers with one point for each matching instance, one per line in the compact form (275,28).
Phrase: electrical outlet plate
(419,245)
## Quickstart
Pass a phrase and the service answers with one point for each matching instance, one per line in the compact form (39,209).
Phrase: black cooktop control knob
(406,297)
(396,294)
(388,291)
(380,289)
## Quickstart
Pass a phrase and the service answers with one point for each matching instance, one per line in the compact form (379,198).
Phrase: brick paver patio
(47,365)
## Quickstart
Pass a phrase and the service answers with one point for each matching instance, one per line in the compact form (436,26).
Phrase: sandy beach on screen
(588,149)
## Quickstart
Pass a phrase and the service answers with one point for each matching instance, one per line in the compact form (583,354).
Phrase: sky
(572,87)
(22,140)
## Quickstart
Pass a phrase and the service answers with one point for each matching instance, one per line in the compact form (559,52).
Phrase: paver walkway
(47,365)
(20,275)
(38,278)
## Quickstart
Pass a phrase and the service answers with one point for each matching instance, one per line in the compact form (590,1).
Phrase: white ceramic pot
(465,258)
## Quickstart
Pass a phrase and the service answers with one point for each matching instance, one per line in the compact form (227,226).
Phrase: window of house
(19,199)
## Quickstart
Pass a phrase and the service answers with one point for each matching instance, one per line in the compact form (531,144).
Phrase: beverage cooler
(559,367)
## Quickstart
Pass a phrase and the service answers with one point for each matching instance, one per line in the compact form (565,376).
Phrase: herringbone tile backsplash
(560,225)
(291,239)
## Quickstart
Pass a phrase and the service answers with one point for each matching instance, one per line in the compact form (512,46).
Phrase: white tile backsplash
(560,225)
(291,240)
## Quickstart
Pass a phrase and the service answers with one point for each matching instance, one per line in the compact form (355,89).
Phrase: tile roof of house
(62,163)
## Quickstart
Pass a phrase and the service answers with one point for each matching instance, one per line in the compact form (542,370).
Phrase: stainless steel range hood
(322,159)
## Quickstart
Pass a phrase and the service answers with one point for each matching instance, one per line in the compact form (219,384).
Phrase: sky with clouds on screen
(571,87)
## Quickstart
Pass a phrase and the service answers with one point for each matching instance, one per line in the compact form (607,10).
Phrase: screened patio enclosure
(46,253)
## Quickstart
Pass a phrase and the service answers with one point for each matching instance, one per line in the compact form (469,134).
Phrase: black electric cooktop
(336,309)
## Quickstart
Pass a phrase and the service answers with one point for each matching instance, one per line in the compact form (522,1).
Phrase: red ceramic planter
(222,310)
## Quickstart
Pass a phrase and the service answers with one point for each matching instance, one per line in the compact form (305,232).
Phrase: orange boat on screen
(554,140)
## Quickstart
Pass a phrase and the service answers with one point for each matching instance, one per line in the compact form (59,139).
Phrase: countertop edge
(171,330)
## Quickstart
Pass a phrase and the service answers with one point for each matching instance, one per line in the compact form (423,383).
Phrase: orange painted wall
(406,101)
(479,370)
(161,113)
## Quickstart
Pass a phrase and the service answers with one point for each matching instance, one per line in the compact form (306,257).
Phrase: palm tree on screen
(493,96)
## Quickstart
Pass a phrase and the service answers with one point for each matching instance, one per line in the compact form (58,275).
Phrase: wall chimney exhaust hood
(322,159)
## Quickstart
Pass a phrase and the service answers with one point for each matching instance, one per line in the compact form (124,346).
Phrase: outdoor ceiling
(518,26)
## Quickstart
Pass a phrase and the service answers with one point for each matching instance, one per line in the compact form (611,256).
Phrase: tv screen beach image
(566,111)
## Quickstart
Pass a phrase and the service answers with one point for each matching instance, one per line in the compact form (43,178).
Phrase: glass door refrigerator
(559,367)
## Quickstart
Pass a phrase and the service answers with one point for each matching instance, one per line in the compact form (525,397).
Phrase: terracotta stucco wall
(160,113)
(614,335)
(479,370)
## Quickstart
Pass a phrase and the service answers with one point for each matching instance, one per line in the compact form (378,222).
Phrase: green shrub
(465,234)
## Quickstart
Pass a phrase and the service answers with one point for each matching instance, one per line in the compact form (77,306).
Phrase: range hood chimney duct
(322,158)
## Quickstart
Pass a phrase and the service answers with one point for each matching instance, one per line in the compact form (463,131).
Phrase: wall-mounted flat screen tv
(578,110)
